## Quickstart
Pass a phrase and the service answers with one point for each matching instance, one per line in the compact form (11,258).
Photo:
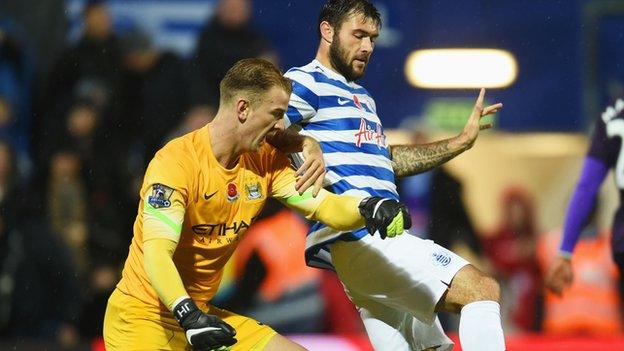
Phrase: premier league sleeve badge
(160,196)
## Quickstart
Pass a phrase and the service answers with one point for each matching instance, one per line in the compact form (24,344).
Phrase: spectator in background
(89,69)
(100,164)
(67,205)
(45,26)
(95,55)
(84,184)
(227,38)
(511,250)
(157,93)
(40,296)
(85,136)
(81,125)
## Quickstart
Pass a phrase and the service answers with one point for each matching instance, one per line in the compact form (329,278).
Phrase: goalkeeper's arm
(203,331)
(341,212)
(161,228)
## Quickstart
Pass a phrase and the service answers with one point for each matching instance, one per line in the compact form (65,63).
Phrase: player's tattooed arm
(408,160)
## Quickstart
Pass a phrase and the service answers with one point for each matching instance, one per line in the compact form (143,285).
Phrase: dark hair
(335,12)
(253,76)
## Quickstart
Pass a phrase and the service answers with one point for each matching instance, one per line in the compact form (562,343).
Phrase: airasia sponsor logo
(368,133)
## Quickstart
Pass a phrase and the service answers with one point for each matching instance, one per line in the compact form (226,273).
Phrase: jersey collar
(329,72)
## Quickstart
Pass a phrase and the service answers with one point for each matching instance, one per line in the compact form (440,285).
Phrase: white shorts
(405,275)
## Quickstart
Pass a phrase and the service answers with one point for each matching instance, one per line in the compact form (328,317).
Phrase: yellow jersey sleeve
(162,272)
(162,222)
(338,212)
(174,167)
(165,193)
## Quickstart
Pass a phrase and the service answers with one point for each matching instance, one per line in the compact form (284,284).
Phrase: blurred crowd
(80,120)
(78,124)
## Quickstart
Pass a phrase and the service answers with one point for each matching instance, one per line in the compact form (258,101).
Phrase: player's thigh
(130,325)
(280,343)
(390,329)
(406,273)
(251,334)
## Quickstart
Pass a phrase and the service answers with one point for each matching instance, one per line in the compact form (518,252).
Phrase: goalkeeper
(200,193)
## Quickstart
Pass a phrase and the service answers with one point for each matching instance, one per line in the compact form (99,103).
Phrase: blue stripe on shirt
(321,78)
(293,115)
(329,101)
(345,170)
(306,94)
(340,146)
(337,124)
(343,186)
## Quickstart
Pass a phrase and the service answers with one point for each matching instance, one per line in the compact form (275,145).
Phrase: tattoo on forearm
(408,160)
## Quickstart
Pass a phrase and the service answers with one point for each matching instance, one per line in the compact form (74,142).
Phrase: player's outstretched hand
(205,332)
(559,276)
(387,216)
(473,126)
(312,171)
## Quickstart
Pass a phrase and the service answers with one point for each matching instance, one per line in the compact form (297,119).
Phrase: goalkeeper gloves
(205,332)
(387,216)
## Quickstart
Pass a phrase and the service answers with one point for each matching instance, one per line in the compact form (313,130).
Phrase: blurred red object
(511,250)
(98,344)
(341,317)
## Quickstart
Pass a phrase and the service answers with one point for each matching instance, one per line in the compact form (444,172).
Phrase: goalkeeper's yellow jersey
(189,197)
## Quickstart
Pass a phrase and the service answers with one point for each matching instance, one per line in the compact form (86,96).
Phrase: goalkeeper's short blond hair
(254,77)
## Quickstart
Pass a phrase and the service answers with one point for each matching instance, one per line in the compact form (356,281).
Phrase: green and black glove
(205,332)
(387,216)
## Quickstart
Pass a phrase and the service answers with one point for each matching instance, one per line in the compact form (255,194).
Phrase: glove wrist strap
(183,309)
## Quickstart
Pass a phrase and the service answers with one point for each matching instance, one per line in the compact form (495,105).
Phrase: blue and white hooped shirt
(342,117)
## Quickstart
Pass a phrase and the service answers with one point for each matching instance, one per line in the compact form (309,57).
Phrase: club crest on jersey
(367,133)
(254,191)
(160,196)
(232,192)
(441,258)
